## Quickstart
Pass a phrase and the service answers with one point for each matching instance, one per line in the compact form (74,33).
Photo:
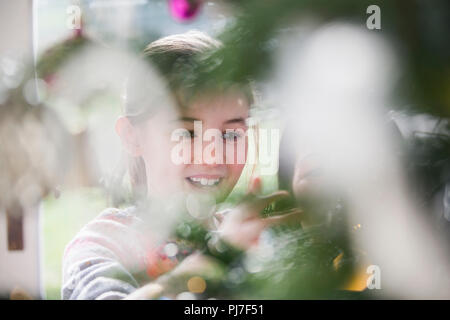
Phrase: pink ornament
(184,10)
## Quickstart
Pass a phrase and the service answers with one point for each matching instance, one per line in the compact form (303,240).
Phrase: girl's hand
(175,281)
(243,225)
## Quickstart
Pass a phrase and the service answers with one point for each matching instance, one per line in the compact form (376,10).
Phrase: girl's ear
(129,136)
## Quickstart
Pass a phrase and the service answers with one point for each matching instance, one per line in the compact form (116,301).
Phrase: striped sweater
(112,256)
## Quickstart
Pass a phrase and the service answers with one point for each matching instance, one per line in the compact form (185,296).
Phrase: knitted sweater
(112,256)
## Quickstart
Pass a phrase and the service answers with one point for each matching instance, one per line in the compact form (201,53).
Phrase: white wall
(19,268)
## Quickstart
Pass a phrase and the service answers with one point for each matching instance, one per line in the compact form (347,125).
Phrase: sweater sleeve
(99,263)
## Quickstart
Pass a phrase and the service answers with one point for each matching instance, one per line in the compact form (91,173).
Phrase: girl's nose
(209,150)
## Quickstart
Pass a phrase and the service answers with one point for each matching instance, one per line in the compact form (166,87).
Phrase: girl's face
(208,138)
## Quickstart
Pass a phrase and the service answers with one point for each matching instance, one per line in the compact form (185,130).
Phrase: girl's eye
(190,134)
(186,134)
(231,136)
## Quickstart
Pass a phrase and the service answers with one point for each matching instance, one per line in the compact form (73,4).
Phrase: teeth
(205,181)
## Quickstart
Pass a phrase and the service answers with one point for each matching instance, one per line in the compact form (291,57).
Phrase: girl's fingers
(255,186)
(259,203)
(253,205)
(285,212)
(294,217)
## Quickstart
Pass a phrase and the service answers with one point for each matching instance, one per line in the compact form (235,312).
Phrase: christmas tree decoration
(184,10)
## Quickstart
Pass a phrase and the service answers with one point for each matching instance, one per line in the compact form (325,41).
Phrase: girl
(115,254)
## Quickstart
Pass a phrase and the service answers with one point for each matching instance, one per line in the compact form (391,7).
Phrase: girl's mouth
(204,182)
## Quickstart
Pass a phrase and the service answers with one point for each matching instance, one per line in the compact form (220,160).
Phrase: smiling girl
(116,253)
(111,256)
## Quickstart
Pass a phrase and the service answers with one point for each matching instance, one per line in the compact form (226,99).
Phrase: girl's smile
(205,180)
